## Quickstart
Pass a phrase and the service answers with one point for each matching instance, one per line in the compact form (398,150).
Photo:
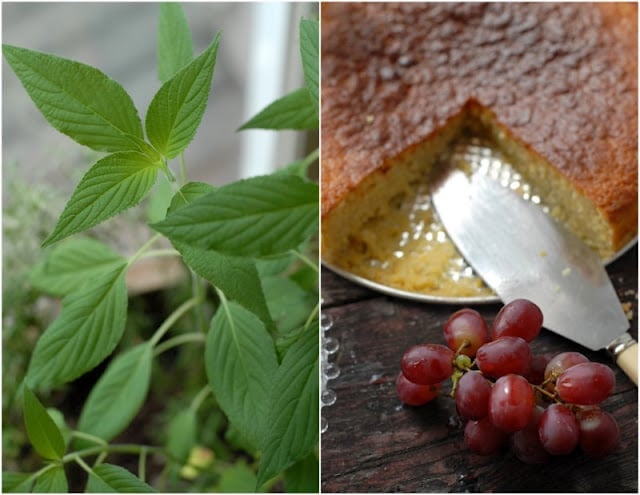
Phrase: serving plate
(479,155)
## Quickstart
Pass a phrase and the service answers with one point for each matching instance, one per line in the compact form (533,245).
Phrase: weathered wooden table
(375,444)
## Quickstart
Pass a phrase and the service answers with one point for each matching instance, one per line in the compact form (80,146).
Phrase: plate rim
(415,296)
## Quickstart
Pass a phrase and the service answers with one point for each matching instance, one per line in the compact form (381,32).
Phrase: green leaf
(237,277)
(188,193)
(303,476)
(182,435)
(309,42)
(13,482)
(260,216)
(43,433)
(118,395)
(58,418)
(177,108)
(240,361)
(294,111)
(293,411)
(72,264)
(237,478)
(175,47)
(86,331)
(78,100)
(159,199)
(113,184)
(107,478)
(288,303)
(52,481)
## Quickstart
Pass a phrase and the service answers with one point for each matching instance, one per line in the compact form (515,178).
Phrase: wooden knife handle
(627,359)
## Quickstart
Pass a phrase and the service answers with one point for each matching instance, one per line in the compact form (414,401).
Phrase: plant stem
(82,464)
(178,340)
(199,398)
(183,169)
(156,253)
(312,315)
(311,157)
(142,464)
(125,448)
(172,318)
(143,249)
(305,260)
(198,290)
(90,438)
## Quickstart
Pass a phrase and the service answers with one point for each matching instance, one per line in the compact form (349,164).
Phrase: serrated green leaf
(303,476)
(181,435)
(175,46)
(177,108)
(309,42)
(85,332)
(13,482)
(41,430)
(52,481)
(78,100)
(188,193)
(237,277)
(260,216)
(113,184)
(240,361)
(73,263)
(293,409)
(294,111)
(118,395)
(107,478)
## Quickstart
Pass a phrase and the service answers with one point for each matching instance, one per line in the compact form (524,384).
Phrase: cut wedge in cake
(549,88)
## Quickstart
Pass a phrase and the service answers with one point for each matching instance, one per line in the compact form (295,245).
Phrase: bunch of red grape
(540,405)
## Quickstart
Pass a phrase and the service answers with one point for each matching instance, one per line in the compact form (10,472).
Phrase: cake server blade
(521,252)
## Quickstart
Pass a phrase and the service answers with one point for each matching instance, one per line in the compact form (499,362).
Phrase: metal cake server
(521,252)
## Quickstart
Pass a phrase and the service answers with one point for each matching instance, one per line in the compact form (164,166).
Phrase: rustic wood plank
(373,443)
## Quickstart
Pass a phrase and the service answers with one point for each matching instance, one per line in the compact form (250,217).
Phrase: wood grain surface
(375,444)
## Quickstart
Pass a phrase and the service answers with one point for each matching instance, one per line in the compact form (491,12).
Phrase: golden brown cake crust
(562,78)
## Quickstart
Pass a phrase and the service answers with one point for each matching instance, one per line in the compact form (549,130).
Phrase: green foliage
(240,359)
(245,242)
(43,432)
(255,217)
(177,108)
(119,394)
(107,478)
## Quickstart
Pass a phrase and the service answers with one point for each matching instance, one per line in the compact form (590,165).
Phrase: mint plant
(250,247)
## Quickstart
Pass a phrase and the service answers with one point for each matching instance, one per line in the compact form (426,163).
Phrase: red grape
(537,366)
(413,394)
(511,403)
(558,430)
(585,383)
(519,318)
(472,395)
(483,438)
(561,362)
(466,325)
(427,364)
(599,432)
(503,356)
(526,443)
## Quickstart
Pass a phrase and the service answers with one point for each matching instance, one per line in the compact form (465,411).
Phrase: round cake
(552,86)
